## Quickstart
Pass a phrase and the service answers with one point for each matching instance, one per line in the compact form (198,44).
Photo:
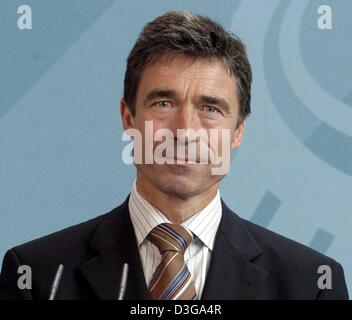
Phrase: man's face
(185,93)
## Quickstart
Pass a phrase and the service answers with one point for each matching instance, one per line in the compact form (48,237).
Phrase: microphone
(123,282)
(58,276)
(56,282)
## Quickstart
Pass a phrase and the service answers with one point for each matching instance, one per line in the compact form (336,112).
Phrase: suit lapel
(115,244)
(232,273)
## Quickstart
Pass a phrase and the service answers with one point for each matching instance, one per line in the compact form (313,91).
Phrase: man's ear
(126,115)
(238,135)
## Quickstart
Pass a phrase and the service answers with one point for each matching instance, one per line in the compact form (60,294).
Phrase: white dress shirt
(204,225)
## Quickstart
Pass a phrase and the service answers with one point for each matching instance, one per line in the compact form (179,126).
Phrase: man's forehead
(185,66)
(207,75)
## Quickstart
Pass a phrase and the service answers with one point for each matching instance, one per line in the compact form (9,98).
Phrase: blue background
(60,128)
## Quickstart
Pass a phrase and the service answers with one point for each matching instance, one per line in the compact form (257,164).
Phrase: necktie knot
(171,237)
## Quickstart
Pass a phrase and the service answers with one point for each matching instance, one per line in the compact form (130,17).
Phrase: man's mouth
(181,161)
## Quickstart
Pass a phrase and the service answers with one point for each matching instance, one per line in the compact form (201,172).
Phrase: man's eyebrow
(217,101)
(172,94)
(160,93)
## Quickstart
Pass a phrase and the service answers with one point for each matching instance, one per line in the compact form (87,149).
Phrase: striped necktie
(171,279)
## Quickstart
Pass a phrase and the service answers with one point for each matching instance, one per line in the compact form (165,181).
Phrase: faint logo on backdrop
(24,21)
(325,17)
(297,57)
(315,95)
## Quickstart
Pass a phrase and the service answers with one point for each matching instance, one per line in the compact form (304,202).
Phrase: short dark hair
(180,32)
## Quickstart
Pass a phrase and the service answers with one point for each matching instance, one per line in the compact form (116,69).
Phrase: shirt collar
(145,217)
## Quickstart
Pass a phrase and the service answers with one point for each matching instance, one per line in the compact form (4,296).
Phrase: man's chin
(178,186)
(186,169)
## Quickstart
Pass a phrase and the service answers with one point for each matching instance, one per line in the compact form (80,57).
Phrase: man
(174,231)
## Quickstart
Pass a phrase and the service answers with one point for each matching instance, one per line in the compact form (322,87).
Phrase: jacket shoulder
(296,267)
(72,240)
(275,244)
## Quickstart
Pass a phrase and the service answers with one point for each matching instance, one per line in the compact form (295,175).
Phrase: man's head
(186,72)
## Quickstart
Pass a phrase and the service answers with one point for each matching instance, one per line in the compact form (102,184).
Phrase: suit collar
(237,234)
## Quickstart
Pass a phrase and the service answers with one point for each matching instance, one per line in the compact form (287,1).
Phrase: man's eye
(162,104)
(210,109)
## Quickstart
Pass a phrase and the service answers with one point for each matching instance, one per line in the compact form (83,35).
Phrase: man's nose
(185,118)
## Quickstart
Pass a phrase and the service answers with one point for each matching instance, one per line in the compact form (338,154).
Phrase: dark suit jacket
(248,262)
